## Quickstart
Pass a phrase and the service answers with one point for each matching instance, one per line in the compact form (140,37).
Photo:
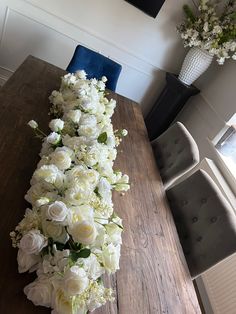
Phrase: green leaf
(84,253)
(102,138)
(189,13)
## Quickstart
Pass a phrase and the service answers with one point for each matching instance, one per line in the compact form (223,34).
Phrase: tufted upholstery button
(176,141)
(184,202)
(213,219)
(199,239)
(180,151)
(195,219)
(203,200)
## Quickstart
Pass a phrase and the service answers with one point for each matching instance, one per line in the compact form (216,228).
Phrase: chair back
(205,221)
(95,65)
(176,153)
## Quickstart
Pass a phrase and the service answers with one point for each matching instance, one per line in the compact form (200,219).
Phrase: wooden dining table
(153,276)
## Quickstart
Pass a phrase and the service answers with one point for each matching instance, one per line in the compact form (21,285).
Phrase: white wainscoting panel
(220,284)
(27,29)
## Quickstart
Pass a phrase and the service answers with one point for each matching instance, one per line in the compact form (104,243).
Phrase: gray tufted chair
(205,221)
(176,153)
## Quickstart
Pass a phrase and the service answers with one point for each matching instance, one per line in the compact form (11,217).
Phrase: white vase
(195,64)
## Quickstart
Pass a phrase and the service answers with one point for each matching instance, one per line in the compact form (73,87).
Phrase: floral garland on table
(211,28)
(72,236)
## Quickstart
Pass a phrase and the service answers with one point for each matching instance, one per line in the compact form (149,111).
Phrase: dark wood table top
(153,276)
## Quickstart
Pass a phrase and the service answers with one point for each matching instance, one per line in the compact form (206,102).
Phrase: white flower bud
(33,124)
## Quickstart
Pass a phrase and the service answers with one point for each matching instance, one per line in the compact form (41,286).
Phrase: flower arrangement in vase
(209,32)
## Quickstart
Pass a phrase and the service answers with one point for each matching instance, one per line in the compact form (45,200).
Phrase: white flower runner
(71,235)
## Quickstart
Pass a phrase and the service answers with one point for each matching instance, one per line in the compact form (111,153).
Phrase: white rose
(83,232)
(53,138)
(33,124)
(33,242)
(111,257)
(62,304)
(56,125)
(57,211)
(61,159)
(26,261)
(55,231)
(104,189)
(75,281)
(39,292)
(74,115)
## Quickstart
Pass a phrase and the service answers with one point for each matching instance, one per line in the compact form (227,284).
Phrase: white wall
(51,29)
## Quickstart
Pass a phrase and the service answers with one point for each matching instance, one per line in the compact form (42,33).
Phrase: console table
(168,105)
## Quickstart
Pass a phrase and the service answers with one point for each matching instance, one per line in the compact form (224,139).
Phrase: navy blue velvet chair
(95,65)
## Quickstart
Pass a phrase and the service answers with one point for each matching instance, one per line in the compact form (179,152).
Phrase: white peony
(56,125)
(83,232)
(53,138)
(50,174)
(33,242)
(26,261)
(39,292)
(111,257)
(78,194)
(61,159)
(57,211)
(75,281)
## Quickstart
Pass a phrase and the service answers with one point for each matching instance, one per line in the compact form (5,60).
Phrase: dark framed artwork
(151,7)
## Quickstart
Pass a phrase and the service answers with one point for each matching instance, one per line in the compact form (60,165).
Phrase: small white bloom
(53,138)
(33,242)
(33,124)
(124,132)
(104,79)
(81,74)
(56,125)
(75,281)
(83,232)
(57,211)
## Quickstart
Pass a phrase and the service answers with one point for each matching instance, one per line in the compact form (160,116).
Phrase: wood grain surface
(153,276)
